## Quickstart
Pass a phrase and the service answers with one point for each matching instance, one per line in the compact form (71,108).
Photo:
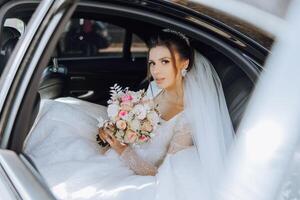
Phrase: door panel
(90,79)
(97,54)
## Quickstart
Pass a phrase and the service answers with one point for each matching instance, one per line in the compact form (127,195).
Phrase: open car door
(18,177)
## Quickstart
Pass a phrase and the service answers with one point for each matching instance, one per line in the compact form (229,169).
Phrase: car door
(18,178)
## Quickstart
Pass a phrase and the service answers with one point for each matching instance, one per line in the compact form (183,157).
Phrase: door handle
(82,94)
(78,78)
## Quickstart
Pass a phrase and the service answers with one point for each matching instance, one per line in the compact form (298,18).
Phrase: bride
(183,161)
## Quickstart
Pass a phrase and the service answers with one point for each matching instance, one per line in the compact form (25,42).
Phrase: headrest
(9,33)
(9,39)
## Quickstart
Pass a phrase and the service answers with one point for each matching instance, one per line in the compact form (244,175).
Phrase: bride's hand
(106,134)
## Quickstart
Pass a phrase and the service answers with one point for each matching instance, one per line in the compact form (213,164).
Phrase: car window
(86,38)
(138,47)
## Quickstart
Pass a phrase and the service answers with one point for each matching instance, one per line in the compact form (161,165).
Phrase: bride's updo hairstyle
(175,42)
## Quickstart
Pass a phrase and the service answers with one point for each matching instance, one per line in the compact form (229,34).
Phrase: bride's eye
(165,61)
(150,64)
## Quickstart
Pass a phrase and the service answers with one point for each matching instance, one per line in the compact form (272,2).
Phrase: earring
(183,72)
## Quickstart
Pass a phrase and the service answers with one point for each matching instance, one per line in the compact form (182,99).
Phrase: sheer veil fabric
(196,171)
(208,115)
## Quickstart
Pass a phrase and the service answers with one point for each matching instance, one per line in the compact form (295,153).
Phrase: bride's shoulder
(182,125)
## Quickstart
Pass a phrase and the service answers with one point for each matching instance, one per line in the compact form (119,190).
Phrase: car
(52,49)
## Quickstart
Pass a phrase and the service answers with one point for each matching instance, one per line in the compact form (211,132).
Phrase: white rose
(120,134)
(147,107)
(153,118)
(140,111)
(135,125)
(113,110)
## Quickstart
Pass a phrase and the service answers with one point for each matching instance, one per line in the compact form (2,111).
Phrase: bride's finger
(102,137)
(110,127)
(109,140)
(113,138)
(104,134)
(109,130)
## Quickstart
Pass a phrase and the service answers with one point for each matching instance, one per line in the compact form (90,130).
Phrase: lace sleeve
(137,164)
(182,138)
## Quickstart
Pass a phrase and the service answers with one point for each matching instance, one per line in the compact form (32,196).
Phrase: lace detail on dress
(137,164)
(182,138)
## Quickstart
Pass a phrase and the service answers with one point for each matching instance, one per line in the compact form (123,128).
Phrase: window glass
(138,47)
(85,38)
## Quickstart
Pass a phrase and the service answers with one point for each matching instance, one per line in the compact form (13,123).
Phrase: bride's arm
(128,155)
(137,164)
(182,139)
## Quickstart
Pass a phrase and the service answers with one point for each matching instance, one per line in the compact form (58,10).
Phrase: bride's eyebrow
(164,58)
(159,59)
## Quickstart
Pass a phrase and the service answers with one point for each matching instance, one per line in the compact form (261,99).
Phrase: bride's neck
(175,94)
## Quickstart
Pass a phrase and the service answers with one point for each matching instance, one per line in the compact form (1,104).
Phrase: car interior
(84,66)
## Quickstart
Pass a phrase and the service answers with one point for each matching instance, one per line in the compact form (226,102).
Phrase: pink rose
(130,136)
(121,124)
(126,98)
(147,126)
(127,106)
(123,113)
(143,138)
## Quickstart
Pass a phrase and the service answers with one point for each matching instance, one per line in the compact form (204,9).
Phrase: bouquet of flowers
(132,114)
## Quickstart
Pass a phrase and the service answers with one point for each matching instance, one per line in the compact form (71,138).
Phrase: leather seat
(9,39)
(236,85)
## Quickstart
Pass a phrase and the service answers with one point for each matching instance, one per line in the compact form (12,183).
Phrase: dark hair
(174,41)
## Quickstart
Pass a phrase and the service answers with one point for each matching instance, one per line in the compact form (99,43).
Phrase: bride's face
(162,68)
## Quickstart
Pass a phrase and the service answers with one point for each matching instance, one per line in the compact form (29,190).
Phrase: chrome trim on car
(20,176)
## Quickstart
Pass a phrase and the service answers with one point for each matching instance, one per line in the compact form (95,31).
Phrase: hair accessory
(186,39)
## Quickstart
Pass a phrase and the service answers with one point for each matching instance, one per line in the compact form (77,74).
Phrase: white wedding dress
(63,146)
(187,156)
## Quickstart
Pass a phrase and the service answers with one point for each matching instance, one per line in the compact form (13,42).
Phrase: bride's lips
(159,80)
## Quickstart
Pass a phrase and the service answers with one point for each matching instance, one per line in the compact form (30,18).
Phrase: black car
(62,48)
